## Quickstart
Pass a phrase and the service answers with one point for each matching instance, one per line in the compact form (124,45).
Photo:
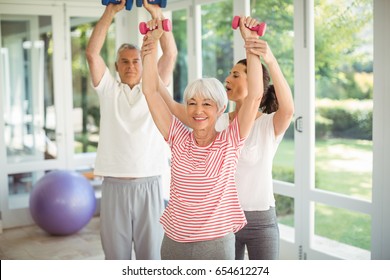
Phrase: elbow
(88,51)
(149,88)
(172,57)
(146,91)
(288,113)
(89,55)
(172,54)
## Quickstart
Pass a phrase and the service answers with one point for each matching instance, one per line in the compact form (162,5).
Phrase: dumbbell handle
(260,28)
(129,3)
(166,25)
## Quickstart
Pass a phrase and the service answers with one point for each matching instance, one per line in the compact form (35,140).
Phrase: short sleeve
(177,132)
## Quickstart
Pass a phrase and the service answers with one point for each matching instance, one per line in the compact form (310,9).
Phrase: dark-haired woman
(254,171)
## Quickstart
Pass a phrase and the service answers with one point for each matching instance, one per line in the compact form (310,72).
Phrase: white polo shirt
(130,144)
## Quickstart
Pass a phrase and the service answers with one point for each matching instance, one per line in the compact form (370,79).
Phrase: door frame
(21,216)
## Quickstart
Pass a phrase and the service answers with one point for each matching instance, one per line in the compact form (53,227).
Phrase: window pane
(20,186)
(280,37)
(285,210)
(279,16)
(180,75)
(217,39)
(20,183)
(344,88)
(27,86)
(86,115)
(341,232)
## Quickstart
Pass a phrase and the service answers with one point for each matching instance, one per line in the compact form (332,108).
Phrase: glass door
(334,105)
(280,37)
(31,138)
(344,81)
(84,107)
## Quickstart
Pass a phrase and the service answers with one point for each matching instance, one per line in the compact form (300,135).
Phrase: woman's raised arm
(161,114)
(285,112)
(250,107)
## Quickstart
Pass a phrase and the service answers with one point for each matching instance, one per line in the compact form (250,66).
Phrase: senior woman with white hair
(203,212)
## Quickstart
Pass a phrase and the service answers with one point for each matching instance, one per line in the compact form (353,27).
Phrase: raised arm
(247,114)
(285,112)
(162,117)
(167,61)
(176,108)
(96,64)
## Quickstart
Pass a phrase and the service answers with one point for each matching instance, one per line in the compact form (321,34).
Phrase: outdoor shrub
(283,174)
(350,118)
(284,205)
(323,127)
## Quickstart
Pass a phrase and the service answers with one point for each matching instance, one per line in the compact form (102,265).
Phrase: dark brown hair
(269,102)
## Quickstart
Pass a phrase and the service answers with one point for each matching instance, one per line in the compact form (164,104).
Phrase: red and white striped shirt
(203,202)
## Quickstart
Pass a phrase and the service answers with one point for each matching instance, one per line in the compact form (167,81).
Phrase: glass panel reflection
(217,39)
(20,186)
(344,91)
(180,74)
(86,114)
(20,183)
(27,86)
(280,37)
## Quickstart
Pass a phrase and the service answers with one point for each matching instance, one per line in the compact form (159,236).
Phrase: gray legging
(260,236)
(217,249)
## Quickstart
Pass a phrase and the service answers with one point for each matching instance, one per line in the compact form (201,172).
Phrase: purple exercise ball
(62,202)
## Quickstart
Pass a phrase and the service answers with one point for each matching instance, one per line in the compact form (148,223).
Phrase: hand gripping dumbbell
(166,25)
(161,3)
(260,28)
(129,3)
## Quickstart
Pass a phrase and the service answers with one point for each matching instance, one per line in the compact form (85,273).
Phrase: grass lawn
(342,166)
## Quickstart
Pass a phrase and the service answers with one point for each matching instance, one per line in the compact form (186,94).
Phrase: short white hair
(126,46)
(208,88)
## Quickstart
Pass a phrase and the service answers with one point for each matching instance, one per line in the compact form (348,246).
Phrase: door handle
(298,124)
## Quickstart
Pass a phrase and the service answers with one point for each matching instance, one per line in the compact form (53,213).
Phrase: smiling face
(129,66)
(205,101)
(236,83)
(202,113)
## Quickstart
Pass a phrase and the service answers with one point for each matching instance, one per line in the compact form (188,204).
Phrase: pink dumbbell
(260,28)
(166,25)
